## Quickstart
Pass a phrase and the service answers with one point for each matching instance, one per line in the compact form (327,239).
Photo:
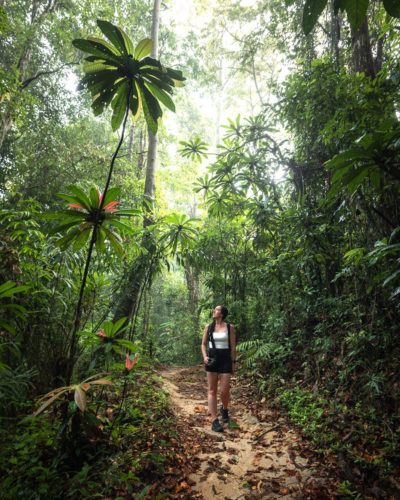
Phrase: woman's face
(217,314)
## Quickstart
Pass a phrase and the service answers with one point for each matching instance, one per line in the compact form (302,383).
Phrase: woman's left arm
(233,346)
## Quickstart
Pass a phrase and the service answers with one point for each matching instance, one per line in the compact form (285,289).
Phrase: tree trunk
(6,120)
(335,36)
(141,157)
(362,52)
(149,187)
(5,125)
(131,142)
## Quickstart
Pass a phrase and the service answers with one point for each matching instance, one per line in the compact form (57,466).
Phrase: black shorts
(224,362)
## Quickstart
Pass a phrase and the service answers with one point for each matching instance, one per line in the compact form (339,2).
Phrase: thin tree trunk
(141,157)
(131,142)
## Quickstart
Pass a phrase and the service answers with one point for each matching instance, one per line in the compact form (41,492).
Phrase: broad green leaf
(118,325)
(375,177)
(100,240)
(340,172)
(63,227)
(128,345)
(121,225)
(357,179)
(108,328)
(312,11)
(132,211)
(115,35)
(134,103)
(97,68)
(143,48)
(347,157)
(80,194)
(85,203)
(161,84)
(151,108)
(94,197)
(161,95)
(176,75)
(393,276)
(81,240)
(104,84)
(115,241)
(103,99)
(6,286)
(9,289)
(112,195)
(99,50)
(356,12)
(110,47)
(151,64)
(392,7)
(120,106)
(66,240)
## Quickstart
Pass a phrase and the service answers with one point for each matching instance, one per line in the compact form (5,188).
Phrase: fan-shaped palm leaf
(117,74)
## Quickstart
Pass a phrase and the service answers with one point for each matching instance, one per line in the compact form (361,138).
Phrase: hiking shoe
(224,414)
(216,426)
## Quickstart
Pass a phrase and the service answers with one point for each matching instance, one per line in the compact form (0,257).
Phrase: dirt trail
(257,456)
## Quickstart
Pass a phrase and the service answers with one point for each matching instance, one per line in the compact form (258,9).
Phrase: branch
(28,81)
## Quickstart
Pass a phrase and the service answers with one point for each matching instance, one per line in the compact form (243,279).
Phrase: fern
(14,386)
(257,352)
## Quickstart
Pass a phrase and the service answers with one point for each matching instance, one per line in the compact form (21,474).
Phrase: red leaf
(75,205)
(129,364)
(100,196)
(111,207)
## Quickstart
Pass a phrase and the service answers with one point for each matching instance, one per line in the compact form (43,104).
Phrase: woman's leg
(212,378)
(225,383)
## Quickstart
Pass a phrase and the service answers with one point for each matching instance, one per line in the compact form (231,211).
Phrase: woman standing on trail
(220,338)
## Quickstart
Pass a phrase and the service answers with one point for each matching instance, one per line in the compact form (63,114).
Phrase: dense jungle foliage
(274,125)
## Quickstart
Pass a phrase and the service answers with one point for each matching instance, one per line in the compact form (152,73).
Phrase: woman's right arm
(204,344)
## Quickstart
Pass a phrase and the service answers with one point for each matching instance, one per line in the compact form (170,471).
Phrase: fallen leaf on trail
(182,486)
(200,409)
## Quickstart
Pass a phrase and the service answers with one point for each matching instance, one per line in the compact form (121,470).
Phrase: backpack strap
(211,337)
